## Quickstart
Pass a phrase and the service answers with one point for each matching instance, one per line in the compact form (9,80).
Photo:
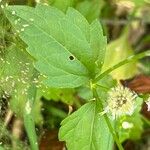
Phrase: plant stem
(99,102)
(112,131)
(103,87)
(127,60)
(28,116)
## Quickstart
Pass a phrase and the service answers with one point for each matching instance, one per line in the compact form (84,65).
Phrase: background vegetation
(126,24)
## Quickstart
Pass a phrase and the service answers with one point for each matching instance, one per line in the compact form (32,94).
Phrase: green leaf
(103,86)
(15,77)
(90,9)
(139,3)
(28,114)
(62,47)
(79,20)
(1,148)
(98,42)
(16,73)
(85,129)
(135,129)
(64,95)
(119,50)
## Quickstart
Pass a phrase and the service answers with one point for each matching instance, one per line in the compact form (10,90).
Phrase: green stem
(28,116)
(112,131)
(127,60)
(102,87)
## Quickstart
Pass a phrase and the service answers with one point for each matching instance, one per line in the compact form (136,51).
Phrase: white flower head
(121,101)
(148,104)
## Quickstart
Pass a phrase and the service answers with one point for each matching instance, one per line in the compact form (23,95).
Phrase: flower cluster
(121,101)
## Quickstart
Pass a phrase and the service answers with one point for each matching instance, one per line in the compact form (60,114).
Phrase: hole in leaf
(71,57)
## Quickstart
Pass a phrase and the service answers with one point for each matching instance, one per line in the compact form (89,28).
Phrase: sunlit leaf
(117,51)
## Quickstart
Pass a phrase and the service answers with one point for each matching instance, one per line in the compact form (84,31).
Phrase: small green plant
(64,50)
